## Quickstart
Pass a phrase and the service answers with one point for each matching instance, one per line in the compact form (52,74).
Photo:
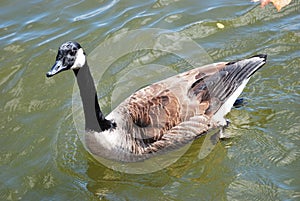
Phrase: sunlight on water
(41,154)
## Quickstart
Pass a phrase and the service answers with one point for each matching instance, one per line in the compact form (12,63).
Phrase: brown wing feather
(181,134)
(154,112)
(159,109)
(177,110)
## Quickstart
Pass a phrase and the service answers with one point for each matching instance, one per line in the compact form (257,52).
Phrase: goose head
(70,56)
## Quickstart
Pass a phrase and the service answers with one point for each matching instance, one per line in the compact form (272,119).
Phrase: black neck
(94,118)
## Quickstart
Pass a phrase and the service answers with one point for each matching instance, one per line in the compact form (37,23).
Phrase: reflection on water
(41,155)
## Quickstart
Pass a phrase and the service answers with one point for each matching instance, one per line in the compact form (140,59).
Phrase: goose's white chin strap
(80,59)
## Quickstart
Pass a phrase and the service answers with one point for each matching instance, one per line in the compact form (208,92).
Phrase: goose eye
(72,53)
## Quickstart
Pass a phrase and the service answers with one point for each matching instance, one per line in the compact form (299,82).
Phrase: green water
(41,155)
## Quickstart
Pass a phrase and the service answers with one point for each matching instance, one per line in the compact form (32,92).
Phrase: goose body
(160,117)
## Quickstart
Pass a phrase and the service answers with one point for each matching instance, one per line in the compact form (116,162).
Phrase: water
(41,156)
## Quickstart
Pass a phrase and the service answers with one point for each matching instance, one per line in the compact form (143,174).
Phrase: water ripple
(96,11)
(40,151)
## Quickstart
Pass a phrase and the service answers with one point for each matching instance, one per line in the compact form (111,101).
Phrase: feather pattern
(171,113)
(165,115)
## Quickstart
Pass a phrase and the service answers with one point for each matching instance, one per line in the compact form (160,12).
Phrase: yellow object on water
(220,25)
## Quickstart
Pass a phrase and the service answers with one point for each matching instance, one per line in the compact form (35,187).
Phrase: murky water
(41,156)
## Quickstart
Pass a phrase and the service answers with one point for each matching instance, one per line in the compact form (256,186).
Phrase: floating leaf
(220,25)
(277,3)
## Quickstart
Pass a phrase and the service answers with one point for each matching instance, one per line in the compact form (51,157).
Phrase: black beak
(56,68)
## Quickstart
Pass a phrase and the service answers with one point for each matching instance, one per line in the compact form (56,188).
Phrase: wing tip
(262,56)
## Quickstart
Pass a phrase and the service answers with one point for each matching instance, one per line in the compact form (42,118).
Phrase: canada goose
(163,116)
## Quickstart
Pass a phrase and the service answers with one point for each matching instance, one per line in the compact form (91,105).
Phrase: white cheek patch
(80,59)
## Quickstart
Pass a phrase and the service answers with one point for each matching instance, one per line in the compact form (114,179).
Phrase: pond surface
(41,155)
